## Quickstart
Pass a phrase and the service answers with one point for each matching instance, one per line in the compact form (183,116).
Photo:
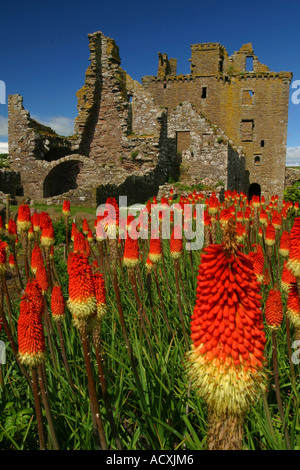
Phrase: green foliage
(4,160)
(60,230)
(164,413)
(134,154)
(292,193)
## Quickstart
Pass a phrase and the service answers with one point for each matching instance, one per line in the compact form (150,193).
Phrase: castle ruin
(225,120)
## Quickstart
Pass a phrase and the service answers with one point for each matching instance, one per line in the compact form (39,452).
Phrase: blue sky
(44,46)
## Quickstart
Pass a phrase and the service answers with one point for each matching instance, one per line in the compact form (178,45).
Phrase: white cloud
(3,126)
(3,147)
(60,124)
(293,156)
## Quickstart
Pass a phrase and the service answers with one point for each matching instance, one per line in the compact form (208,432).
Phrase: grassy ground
(159,411)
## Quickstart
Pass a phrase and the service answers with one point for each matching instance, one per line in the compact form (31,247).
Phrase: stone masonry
(222,121)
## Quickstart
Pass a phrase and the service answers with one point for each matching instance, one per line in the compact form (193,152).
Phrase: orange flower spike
(293,308)
(12,229)
(284,246)
(287,278)
(155,250)
(24,218)
(41,277)
(3,257)
(34,291)
(31,233)
(47,236)
(131,253)
(226,362)
(79,243)
(87,248)
(45,220)
(12,262)
(270,235)
(57,303)
(36,258)
(36,221)
(31,339)
(176,243)
(274,309)
(100,294)
(149,265)
(66,208)
(85,227)
(81,301)
(258,262)
(294,245)
(263,217)
(225,216)
(90,237)
(73,231)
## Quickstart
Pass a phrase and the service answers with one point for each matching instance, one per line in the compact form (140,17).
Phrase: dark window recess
(204,92)
(165,85)
(262,143)
(254,190)
(257,160)
(249,64)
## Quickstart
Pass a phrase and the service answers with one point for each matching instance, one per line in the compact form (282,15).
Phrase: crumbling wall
(206,152)
(250,106)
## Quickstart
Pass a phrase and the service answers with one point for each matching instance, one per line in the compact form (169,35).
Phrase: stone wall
(291,176)
(220,87)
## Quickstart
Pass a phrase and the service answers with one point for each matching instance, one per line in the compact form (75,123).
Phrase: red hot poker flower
(284,247)
(270,236)
(36,221)
(12,229)
(36,258)
(176,243)
(274,309)
(85,227)
(131,252)
(31,339)
(293,307)
(41,277)
(57,303)
(100,293)
(226,362)
(12,261)
(34,291)
(66,208)
(24,218)
(155,250)
(47,236)
(82,301)
(287,278)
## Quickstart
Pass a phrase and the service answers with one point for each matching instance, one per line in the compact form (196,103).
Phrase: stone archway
(254,190)
(62,178)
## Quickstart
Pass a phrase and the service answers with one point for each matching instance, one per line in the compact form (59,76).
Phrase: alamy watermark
(187,221)
(296,93)
(2,92)
(2,353)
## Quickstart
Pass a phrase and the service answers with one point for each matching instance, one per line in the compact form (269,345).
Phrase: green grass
(58,209)
(164,413)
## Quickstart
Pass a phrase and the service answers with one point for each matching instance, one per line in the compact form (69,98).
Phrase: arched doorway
(254,190)
(61,178)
